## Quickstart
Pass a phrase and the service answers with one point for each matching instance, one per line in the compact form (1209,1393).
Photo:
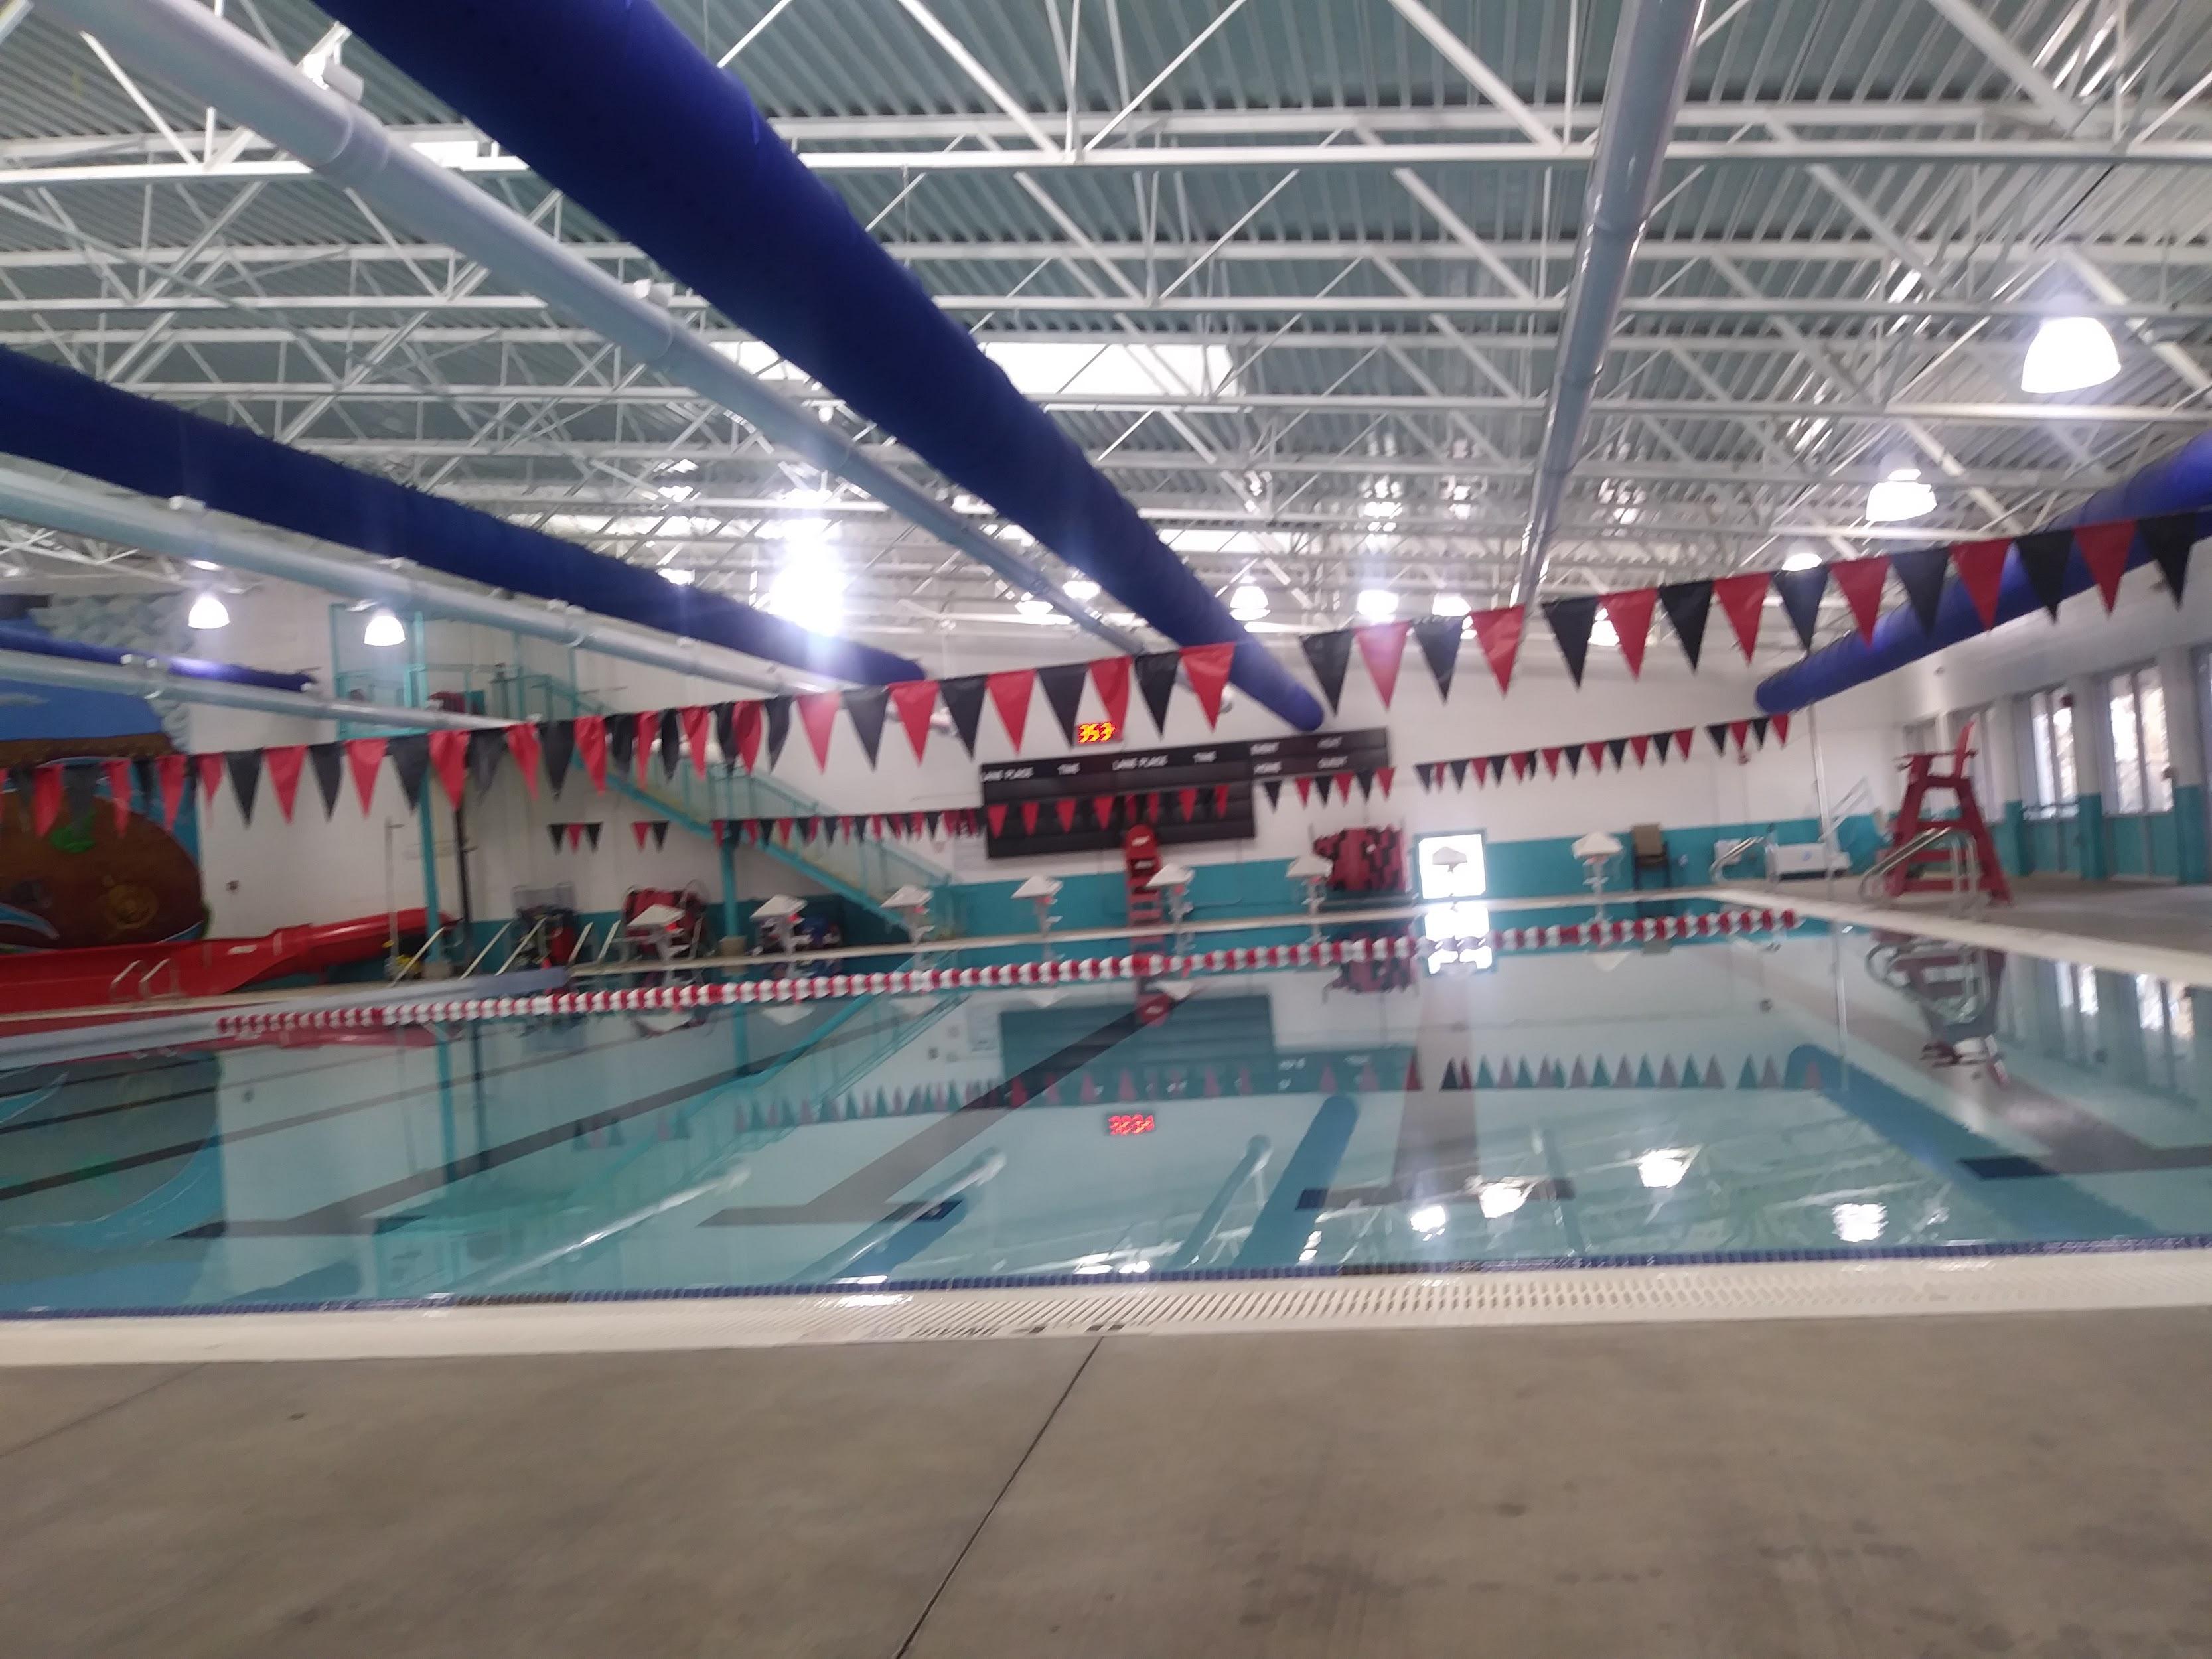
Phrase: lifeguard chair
(1922,846)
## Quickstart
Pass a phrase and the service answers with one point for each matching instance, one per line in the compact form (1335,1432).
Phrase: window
(2168,1017)
(1451,869)
(2050,737)
(1976,723)
(1920,738)
(2142,781)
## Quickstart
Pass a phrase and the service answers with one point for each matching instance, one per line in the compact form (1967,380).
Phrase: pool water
(1842,1092)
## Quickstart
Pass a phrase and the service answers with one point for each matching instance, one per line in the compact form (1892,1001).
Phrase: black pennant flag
(776,713)
(1274,788)
(672,742)
(2043,555)
(1800,592)
(1616,747)
(1687,605)
(930,821)
(1459,775)
(1439,638)
(1063,685)
(327,761)
(622,743)
(80,784)
(244,766)
(867,705)
(557,831)
(2170,539)
(1572,620)
(660,833)
(1920,572)
(1718,732)
(1574,757)
(1156,679)
(591,835)
(411,760)
(964,700)
(1329,655)
(725,731)
(487,748)
(556,747)
(1759,729)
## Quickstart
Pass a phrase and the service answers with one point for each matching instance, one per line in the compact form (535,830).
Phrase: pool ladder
(141,989)
(1967,897)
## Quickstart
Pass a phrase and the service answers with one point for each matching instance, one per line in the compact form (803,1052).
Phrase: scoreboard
(1086,802)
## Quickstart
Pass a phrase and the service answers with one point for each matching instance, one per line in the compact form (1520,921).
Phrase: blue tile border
(1191,1275)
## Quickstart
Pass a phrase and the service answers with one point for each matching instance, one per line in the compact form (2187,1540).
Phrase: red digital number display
(1131,1123)
(1097,732)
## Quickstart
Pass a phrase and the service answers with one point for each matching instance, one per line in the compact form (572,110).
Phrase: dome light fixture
(2068,354)
(1899,496)
(1082,588)
(383,630)
(1249,603)
(1377,604)
(1803,558)
(1448,604)
(208,613)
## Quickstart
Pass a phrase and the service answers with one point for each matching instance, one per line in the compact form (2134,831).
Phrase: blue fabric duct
(16,636)
(68,420)
(2177,484)
(612,104)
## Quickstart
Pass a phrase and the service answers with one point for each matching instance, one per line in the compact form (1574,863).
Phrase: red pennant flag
(119,791)
(1641,743)
(1110,675)
(1103,807)
(1208,668)
(363,756)
(915,702)
(1382,775)
(575,836)
(817,712)
(1981,567)
(1682,742)
(449,758)
(1741,731)
(695,721)
(996,818)
(783,828)
(1305,791)
(1743,600)
(2105,550)
(1781,726)
(639,829)
(1595,754)
(1552,762)
(1029,809)
(648,728)
(1010,695)
(1186,801)
(592,748)
(1383,648)
(1524,762)
(46,796)
(1220,801)
(283,764)
(169,775)
(748,734)
(522,743)
(1630,613)
(1860,581)
(210,770)
(1498,633)
(1064,809)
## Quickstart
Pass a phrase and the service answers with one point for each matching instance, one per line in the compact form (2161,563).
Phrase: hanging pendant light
(207,614)
(383,630)
(2069,354)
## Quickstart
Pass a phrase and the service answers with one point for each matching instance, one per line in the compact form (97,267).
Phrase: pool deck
(2032,1484)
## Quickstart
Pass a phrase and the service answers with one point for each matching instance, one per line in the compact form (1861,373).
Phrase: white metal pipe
(186,530)
(189,47)
(145,677)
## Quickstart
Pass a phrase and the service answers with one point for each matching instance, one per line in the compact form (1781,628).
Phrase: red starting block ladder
(1925,785)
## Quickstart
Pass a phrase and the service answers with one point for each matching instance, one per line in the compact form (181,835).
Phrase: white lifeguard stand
(1311,870)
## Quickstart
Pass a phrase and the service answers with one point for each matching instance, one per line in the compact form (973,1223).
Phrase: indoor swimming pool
(1745,1098)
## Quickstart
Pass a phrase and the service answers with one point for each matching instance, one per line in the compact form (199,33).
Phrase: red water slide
(125,975)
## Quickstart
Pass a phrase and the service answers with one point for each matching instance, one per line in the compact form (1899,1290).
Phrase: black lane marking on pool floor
(866,1194)
(302,1120)
(360,1052)
(355,1213)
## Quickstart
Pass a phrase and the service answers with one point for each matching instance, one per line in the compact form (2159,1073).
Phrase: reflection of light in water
(1313,1246)
(1428,1219)
(1860,1224)
(1499,1199)
(1663,1168)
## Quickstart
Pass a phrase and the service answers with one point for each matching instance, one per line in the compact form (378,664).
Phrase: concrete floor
(2133,913)
(2032,1484)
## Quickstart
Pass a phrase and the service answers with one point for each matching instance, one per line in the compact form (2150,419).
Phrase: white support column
(2092,768)
(2184,747)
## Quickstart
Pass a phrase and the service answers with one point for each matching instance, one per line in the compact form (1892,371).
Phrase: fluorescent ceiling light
(208,613)
(383,630)
(2068,354)
(1899,496)
(1082,588)
(678,575)
(809,591)
(1377,605)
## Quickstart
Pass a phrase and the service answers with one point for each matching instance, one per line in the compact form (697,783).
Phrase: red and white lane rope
(908,981)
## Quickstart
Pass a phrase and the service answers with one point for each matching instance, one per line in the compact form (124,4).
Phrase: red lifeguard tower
(1916,851)
(1140,862)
